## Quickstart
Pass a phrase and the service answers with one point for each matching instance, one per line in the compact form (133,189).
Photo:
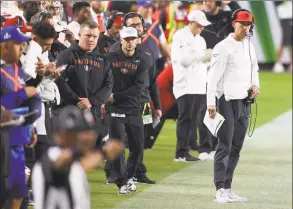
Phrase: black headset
(111,18)
(134,14)
(234,16)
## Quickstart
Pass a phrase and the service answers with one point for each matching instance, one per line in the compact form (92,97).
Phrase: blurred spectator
(42,17)
(9,9)
(98,14)
(154,38)
(30,9)
(42,39)
(220,27)
(55,8)
(82,13)
(19,22)
(122,6)
(111,35)
(10,51)
(174,16)
(198,5)
(284,11)
(56,46)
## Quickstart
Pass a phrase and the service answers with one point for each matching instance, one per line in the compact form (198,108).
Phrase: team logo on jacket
(86,67)
(124,70)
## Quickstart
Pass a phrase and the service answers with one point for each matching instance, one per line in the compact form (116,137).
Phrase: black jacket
(150,90)
(221,26)
(56,48)
(129,74)
(88,75)
(105,42)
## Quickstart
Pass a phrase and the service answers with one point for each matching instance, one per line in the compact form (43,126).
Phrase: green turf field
(275,99)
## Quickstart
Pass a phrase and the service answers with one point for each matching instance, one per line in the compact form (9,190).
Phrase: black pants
(42,146)
(189,106)
(230,140)
(141,168)
(133,127)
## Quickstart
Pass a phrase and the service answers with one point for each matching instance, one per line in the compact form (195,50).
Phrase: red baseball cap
(244,16)
(118,20)
(19,22)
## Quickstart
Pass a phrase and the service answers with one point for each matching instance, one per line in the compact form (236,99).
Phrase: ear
(34,38)
(233,24)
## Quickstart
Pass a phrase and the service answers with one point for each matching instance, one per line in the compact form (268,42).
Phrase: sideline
(263,175)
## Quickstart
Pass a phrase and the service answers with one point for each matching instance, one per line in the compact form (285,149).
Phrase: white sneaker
(234,197)
(212,155)
(123,190)
(222,196)
(131,185)
(204,156)
(278,68)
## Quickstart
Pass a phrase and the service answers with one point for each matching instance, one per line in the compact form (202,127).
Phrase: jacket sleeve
(67,94)
(154,89)
(215,74)
(136,88)
(234,6)
(102,95)
(34,104)
(34,81)
(183,53)
(13,99)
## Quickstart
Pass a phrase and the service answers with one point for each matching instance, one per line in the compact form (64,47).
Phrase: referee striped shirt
(59,190)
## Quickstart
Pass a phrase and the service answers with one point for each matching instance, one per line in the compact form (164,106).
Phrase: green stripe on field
(263,30)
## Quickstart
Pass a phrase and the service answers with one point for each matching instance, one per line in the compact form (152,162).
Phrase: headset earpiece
(111,18)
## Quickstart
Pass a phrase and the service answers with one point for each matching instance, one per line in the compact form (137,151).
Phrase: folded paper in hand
(213,124)
(156,121)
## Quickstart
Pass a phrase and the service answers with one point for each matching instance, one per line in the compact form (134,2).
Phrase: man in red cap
(233,79)
(111,34)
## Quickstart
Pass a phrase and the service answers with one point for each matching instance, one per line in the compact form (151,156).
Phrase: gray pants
(230,140)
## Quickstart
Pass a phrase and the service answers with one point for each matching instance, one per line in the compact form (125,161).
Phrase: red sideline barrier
(165,84)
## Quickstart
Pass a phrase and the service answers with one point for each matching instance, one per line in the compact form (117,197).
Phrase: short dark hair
(79,5)
(30,9)
(44,30)
(132,15)
(90,24)
(40,16)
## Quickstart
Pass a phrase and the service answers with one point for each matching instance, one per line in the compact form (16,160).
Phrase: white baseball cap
(199,17)
(127,32)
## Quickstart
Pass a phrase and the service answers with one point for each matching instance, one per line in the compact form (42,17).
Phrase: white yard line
(263,175)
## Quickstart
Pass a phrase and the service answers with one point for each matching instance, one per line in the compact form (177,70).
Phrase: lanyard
(14,80)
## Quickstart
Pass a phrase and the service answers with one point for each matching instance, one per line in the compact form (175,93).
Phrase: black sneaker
(190,158)
(186,158)
(144,180)
(111,180)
